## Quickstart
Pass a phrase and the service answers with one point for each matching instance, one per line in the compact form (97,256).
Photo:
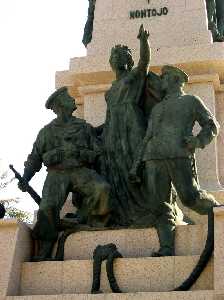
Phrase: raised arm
(145,50)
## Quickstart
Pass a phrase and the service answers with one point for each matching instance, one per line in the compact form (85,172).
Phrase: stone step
(132,274)
(190,240)
(195,295)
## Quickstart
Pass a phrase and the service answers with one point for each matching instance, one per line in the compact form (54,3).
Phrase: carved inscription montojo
(148,13)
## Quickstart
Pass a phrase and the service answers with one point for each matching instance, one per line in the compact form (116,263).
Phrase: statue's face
(118,59)
(68,103)
(167,80)
(164,82)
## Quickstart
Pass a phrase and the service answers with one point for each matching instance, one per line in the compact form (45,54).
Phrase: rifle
(28,188)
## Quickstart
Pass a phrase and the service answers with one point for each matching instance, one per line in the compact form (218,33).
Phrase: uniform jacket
(75,141)
(171,121)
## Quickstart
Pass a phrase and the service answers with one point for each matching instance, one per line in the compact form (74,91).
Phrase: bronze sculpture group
(127,171)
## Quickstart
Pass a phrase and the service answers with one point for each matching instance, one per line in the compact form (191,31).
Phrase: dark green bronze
(124,127)
(167,154)
(129,103)
(220,16)
(107,252)
(68,148)
(215,13)
(88,30)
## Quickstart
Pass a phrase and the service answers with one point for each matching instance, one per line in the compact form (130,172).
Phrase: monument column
(94,103)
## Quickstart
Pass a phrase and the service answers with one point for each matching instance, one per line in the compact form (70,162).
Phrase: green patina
(69,148)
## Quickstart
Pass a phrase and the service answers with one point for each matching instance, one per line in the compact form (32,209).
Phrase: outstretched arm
(145,50)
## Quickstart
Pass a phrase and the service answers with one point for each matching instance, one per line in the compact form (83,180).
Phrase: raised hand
(143,34)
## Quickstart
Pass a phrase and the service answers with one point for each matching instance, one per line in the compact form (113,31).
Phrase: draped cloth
(123,133)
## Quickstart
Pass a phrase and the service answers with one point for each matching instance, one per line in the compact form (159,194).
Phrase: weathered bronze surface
(220,16)
(68,148)
(88,30)
(109,253)
(215,13)
(129,103)
(167,154)
(140,168)
(124,127)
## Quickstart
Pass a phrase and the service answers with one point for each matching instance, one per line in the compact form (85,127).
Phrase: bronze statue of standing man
(168,154)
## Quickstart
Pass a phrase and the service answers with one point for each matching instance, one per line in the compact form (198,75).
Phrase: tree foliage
(10,204)
(14,213)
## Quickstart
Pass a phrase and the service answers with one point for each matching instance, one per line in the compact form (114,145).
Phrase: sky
(38,38)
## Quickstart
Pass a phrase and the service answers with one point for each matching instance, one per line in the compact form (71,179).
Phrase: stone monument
(179,37)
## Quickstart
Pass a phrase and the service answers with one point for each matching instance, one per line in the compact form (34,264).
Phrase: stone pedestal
(219,249)
(138,275)
(15,248)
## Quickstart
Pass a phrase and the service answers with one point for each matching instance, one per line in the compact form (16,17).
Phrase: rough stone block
(196,295)
(36,297)
(190,240)
(15,248)
(186,32)
(195,4)
(77,277)
(182,271)
(219,248)
(43,278)
(132,274)
(197,59)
